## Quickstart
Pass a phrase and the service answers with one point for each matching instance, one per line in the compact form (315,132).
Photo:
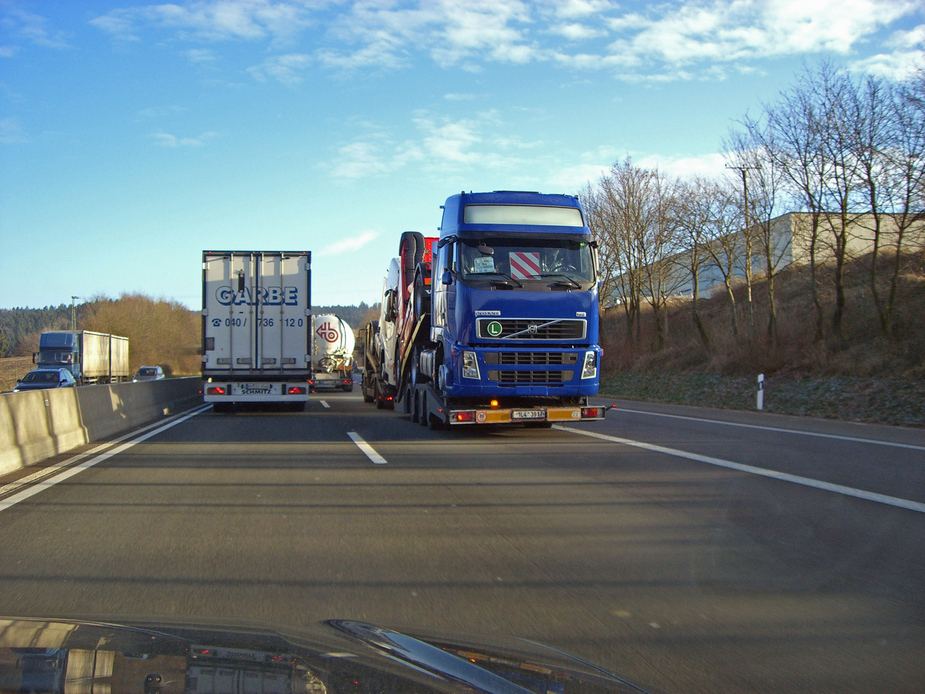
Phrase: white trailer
(256,327)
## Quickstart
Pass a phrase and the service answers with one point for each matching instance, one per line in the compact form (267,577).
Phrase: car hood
(166,657)
(34,386)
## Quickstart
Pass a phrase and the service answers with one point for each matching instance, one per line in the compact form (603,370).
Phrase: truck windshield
(531,263)
(55,357)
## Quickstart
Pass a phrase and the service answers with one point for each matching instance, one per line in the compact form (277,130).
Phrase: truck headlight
(470,366)
(590,368)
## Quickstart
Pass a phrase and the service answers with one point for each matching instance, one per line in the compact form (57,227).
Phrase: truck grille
(531,358)
(513,378)
(530,329)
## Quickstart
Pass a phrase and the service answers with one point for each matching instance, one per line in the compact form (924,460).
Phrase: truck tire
(413,405)
(421,294)
(414,241)
(422,413)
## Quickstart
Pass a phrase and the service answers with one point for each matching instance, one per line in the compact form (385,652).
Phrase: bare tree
(747,152)
(636,230)
(694,211)
(724,244)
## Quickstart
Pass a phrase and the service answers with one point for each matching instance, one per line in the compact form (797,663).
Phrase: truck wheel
(422,414)
(421,294)
(413,404)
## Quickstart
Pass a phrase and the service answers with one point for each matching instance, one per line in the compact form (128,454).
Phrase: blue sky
(133,136)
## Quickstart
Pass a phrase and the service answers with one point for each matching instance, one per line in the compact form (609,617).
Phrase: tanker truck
(332,354)
(496,320)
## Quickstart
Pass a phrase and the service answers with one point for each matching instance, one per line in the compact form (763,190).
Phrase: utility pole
(74,313)
(747,237)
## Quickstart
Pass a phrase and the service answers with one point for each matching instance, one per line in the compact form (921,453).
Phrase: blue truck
(501,325)
(91,357)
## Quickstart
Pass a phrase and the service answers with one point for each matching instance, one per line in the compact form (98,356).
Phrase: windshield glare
(527,260)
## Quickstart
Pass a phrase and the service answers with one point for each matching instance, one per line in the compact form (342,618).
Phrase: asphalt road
(637,548)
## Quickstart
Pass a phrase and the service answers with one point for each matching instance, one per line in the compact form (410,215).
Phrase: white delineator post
(760,403)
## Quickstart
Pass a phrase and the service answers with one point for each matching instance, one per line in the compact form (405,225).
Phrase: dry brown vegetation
(159,331)
(11,369)
(860,375)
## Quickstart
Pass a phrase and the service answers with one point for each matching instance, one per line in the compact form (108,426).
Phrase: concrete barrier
(35,425)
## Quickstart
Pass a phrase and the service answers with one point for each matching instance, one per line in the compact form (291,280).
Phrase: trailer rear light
(215,390)
(467,416)
(591,412)
(297,390)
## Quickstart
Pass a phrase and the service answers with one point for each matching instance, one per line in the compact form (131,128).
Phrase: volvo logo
(531,329)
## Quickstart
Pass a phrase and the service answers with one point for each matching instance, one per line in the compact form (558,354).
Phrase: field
(11,369)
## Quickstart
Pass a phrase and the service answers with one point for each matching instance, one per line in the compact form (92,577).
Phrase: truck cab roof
(473,214)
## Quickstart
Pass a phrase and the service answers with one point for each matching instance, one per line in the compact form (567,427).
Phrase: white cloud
(655,42)
(577,32)
(359,160)
(163,139)
(707,165)
(212,19)
(441,144)
(907,57)
(579,9)
(283,68)
(201,55)
(26,27)
(348,245)
(726,31)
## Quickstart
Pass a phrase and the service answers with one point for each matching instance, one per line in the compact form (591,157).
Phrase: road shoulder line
(798,432)
(750,469)
(68,469)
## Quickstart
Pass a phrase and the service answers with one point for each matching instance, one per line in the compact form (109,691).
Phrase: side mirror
(447,278)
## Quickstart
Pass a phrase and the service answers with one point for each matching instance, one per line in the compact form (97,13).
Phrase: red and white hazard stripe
(525,266)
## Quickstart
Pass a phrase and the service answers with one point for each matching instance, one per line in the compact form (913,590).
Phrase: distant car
(42,379)
(148,373)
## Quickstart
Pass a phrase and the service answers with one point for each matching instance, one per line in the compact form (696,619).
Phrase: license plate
(528,414)
(255,389)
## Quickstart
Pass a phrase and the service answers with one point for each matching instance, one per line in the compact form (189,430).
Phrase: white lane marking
(87,464)
(367,449)
(325,405)
(64,464)
(782,476)
(853,439)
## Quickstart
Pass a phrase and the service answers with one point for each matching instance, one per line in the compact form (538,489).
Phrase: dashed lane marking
(367,449)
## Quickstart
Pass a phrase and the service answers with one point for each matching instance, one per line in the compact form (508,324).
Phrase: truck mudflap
(522,415)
